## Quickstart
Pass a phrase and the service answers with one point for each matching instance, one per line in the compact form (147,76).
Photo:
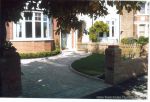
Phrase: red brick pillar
(10,74)
(112,61)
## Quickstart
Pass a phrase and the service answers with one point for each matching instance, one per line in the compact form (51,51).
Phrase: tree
(9,11)
(65,11)
(99,27)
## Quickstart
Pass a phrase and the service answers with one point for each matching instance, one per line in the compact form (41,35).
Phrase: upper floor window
(142,11)
(39,26)
(145,8)
(148,8)
(141,30)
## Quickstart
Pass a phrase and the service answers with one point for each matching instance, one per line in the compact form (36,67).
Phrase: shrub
(93,37)
(99,27)
(39,54)
(142,40)
(129,40)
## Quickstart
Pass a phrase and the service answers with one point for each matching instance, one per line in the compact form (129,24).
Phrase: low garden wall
(132,68)
(128,50)
(33,46)
(118,70)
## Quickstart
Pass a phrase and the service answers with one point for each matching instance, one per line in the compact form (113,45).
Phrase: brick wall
(127,24)
(143,18)
(33,46)
(135,31)
(118,70)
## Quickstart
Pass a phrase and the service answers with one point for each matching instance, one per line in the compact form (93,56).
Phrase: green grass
(92,65)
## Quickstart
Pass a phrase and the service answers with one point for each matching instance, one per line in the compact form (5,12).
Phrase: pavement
(51,77)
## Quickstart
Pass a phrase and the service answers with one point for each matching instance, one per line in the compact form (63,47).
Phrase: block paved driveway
(52,78)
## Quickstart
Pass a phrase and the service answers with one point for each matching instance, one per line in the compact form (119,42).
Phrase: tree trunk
(2,35)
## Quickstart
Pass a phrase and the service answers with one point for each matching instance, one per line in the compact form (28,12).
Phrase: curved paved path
(51,78)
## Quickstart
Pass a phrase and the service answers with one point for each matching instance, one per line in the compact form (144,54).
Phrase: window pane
(148,8)
(28,29)
(37,16)
(18,30)
(112,31)
(45,29)
(38,29)
(112,22)
(142,29)
(44,18)
(108,34)
(100,34)
(28,16)
(142,11)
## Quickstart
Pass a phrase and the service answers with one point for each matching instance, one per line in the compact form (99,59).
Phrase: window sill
(19,40)
(142,14)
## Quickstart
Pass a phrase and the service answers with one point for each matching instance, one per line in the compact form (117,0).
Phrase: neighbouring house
(142,21)
(133,24)
(37,33)
(136,24)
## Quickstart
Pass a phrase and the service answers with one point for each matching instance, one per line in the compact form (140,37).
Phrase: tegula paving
(51,77)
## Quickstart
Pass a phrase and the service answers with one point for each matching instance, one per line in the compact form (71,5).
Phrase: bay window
(37,27)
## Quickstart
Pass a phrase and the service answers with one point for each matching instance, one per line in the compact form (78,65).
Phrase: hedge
(39,54)
(129,40)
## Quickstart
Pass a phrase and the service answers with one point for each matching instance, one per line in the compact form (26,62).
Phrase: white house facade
(70,41)
(112,19)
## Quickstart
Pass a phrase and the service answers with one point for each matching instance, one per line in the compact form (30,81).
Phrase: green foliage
(129,40)
(128,5)
(93,37)
(65,11)
(39,55)
(10,9)
(7,45)
(143,40)
(97,28)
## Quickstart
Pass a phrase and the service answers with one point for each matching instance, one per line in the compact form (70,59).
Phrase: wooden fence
(132,50)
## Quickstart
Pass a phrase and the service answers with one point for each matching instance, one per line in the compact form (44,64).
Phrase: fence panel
(128,50)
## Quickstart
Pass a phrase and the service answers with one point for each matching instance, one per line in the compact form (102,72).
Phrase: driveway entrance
(52,78)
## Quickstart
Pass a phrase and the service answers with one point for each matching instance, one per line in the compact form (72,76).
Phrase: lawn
(92,65)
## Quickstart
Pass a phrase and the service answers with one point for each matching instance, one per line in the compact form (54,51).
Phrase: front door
(63,41)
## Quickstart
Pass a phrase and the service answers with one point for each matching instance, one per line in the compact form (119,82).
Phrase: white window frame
(138,29)
(146,10)
(33,38)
